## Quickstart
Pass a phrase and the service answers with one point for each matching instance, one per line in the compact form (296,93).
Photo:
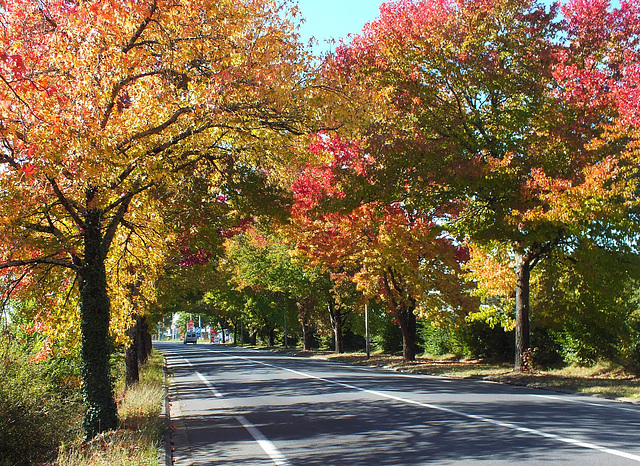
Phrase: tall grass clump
(138,441)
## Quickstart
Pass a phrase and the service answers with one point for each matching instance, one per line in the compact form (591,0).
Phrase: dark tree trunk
(525,262)
(523,274)
(272,336)
(131,355)
(235,332)
(303,317)
(144,340)
(254,338)
(306,336)
(137,353)
(403,313)
(408,326)
(101,410)
(336,324)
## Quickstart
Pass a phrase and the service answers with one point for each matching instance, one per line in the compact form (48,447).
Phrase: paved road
(240,406)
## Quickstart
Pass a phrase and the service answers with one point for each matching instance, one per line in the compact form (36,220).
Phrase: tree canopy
(497,117)
(102,103)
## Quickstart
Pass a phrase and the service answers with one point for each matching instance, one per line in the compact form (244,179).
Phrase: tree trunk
(403,313)
(144,340)
(101,411)
(303,317)
(235,332)
(336,324)
(272,336)
(306,336)
(408,326)
(523,273)
(131,355)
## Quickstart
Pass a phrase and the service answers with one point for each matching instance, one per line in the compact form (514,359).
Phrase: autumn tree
(280,291)
(496,109)
(102,102)
(392,253)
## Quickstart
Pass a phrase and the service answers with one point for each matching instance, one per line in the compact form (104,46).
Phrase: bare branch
(116,220)
(38,261)
(116,90)
(140,30)
(157,129)
(15,93)
(50,229)
(177,138)
(66,203)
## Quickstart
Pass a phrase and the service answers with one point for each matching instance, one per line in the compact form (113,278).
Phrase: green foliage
(40,402)
(438,340)
(586,296)
(480,340)
(474,339)
(388,338)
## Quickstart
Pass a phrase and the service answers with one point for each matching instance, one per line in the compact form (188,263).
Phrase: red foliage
(190,258)
(237,229)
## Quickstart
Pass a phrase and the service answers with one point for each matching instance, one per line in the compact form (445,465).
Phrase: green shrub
(40,402)
(389,338)
(479,340)
(438,341)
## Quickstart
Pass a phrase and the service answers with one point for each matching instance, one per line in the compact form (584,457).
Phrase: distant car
(190,337)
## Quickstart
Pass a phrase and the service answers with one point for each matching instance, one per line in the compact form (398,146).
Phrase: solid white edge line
(508,425)
(588,403)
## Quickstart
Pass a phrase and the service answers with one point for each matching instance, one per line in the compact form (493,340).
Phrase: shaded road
(240,406)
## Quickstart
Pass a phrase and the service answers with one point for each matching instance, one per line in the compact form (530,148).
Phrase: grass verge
(603,379)
(138,441)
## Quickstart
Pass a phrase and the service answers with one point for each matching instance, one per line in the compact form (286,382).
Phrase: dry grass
(138,441)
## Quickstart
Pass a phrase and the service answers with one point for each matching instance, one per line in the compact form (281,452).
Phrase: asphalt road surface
(241,406)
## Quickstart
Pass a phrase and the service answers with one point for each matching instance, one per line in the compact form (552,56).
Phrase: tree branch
(66,203)
(140,30)
(116,90)
(117,219)
(38,261)
(157,129)
(50,229)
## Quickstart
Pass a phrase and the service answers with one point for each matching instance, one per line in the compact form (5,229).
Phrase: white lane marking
(507,425)
(216,393)
(589,403)
(267,445)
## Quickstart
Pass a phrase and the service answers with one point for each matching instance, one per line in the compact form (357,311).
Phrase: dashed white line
(267,445)
(216,393)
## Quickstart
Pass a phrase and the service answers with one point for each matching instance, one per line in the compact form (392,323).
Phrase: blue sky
(327,19)
(333,19)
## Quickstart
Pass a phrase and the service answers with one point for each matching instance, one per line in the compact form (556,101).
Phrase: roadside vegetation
(138,440)
(41,409)
(40,402)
